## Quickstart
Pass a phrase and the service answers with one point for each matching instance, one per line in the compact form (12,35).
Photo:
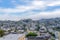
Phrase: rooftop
(11,37)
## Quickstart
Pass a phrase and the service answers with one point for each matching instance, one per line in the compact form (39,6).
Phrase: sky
(24,9)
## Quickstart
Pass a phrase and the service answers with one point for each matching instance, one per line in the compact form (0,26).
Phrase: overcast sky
(34,9)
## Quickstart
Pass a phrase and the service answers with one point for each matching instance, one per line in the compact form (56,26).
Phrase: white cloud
(55,3)
(14,10)
(46,15)
(44,3)
(6,16)
(39,4)
(36,16)
(34,5)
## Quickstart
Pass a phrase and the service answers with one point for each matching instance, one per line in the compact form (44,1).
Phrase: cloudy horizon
(33,9)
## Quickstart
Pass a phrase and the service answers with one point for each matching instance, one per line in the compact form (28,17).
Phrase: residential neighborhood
(29,19)
(43,28)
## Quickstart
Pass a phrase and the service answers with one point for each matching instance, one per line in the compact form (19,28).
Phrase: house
(43,35)
(5,28)
(38,38)
(43,30)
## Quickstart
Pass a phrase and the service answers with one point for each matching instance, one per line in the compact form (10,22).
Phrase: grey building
(38,38)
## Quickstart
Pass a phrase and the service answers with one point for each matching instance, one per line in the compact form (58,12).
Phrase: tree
(31,34)
(2,33)
(52,34)
(24,25)
(37,28)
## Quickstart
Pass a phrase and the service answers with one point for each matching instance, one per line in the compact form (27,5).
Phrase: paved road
(59,35)
(56,35)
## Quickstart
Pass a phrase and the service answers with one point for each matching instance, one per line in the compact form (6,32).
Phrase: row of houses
(42,35)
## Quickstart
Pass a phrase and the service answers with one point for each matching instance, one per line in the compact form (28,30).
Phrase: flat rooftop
(11,37)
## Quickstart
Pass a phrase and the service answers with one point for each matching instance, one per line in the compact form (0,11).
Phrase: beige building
(21,37)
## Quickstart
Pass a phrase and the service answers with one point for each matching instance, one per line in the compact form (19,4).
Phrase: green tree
(24,27)
(37,28)
(52,34)
(31,34)
(2,33)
